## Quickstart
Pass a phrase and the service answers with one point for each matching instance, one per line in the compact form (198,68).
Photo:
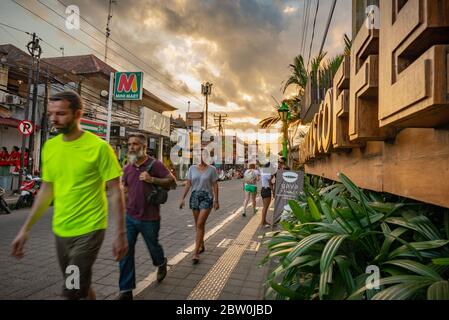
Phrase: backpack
(158,194)
(249,176)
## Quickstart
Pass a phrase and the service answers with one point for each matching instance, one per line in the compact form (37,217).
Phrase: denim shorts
(201,200)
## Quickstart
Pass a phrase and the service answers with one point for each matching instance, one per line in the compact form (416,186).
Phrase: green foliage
(338,230)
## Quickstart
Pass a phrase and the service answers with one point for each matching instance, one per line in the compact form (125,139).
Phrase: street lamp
(284,115)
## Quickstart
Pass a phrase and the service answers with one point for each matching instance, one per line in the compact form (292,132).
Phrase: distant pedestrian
(203,180)
(4,154)
(77,166)
(266,192)
(250,179)
(139,178)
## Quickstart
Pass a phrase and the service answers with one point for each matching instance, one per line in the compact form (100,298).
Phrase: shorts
(250,188)
(76,256)
(201,200)
(265,193)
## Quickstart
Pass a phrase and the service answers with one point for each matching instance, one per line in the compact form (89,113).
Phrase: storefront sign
(154,122)
(97,128)
(128,86)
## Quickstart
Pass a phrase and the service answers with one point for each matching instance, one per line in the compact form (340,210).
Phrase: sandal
(202,249)
(195,260)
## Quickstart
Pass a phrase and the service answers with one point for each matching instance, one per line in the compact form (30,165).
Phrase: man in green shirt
(76,168)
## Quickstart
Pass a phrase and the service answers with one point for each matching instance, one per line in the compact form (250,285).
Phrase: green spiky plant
(339,230)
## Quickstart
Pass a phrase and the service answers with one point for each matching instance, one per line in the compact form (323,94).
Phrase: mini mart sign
(128,86)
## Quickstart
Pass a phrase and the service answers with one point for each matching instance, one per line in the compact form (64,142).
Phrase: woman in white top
(251,177)
(266,192)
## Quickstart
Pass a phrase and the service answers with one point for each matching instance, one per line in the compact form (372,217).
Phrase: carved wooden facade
(385,121)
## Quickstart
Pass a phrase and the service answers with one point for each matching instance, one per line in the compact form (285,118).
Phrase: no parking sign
(26,127)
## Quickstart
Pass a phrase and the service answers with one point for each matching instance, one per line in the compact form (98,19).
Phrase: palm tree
(298,76)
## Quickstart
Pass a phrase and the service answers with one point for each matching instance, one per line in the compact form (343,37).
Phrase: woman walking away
(266,192)
(250,179)
(203,180)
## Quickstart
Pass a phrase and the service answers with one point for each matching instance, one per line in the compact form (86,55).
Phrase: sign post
(111,89)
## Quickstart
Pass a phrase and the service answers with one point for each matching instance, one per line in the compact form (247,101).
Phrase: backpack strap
(150,166)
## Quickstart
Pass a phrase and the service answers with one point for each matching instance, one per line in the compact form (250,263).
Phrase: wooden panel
(327,124)
(413,53)
(319,129)
(415,165)
(341,78)
(363,107)
(342,104)
(363,166)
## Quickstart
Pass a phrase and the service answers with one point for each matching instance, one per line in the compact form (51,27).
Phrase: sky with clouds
(243,47)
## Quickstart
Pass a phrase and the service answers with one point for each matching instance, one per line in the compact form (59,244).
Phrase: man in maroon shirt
(141,216)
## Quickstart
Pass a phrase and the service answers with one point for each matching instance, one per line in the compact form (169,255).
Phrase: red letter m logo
(127,83)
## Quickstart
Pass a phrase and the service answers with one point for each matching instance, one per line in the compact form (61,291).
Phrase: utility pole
(219,120)
(188,107)
(108,30)
(35,50)
(33,114)
(206,90)
(44,122)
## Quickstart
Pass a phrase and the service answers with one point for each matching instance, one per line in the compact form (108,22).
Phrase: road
(37,275)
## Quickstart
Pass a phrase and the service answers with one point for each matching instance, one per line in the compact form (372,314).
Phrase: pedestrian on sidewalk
(139,179)
(203,180)
(77,167)
(266,192)
(250,179)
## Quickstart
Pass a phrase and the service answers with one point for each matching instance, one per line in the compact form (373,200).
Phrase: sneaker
(244,214)
(126,295)
(162,271)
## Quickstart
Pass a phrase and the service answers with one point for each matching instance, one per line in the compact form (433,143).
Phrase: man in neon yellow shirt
(76,168)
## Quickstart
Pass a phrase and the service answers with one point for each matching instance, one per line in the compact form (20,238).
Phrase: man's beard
(133,157)
(66,129)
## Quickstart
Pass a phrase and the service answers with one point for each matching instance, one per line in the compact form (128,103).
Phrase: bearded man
(140,175)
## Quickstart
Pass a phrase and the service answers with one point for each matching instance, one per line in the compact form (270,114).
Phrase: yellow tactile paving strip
(210,287)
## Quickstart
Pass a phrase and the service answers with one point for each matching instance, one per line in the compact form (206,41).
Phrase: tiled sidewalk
(245,282)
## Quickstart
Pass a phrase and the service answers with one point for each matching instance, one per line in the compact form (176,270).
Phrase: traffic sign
(26,127)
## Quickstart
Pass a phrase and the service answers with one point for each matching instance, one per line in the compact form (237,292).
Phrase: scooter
(3,205)
(28,191)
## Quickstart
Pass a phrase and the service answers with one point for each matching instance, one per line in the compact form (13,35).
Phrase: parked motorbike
(28,191)
(3,205)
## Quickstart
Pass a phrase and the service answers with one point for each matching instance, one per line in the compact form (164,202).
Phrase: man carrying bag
(146,182)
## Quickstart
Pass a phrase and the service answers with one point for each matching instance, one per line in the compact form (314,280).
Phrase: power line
(76,39)
(126,50)
(17,29)
(304,34)
(306,28)
(329,20)
(313,31)
(118,54)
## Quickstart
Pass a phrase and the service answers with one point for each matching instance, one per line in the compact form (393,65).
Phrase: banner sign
(289,184)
